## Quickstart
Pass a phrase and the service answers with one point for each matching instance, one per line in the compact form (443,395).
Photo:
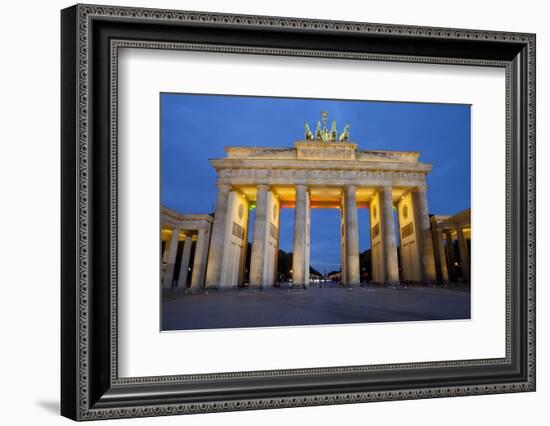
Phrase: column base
(191,287)
(202,290)
(180,289)
(258,287)
(299,286)
(226,287)
(247,288)
(207,287)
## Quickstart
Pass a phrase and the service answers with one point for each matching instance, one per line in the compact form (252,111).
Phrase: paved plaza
(329,304)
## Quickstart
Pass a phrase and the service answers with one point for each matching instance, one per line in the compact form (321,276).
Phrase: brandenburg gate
(324,170)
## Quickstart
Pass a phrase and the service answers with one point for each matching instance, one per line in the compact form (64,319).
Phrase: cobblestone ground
(185,310)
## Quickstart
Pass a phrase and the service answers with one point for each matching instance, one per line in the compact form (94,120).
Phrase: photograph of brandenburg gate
(323,170)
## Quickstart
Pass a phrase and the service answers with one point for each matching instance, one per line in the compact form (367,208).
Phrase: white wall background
(29,214)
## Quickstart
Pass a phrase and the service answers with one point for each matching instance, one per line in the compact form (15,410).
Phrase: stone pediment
(316,150)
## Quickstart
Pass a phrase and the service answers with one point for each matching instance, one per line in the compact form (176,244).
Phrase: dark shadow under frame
(91,37)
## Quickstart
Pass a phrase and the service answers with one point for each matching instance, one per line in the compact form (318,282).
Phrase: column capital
(349,188)
(421,188)
(301,186)
(223,187)
(263,187)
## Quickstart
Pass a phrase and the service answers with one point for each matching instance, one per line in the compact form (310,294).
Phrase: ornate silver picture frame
(91,37)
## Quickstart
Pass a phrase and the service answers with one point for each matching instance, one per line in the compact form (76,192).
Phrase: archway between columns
(325,245)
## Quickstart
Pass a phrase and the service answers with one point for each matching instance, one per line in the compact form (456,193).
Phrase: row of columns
(446,253)
(463,253)
(301,249)
(199,263)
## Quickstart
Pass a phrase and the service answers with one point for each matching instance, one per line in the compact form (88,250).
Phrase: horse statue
(333,132)
(318,132)
(344,137)
(308,134)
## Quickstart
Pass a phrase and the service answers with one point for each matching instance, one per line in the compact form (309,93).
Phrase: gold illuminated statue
(323,134)
(344,137)
(308,135)
(333,132)
(318,132)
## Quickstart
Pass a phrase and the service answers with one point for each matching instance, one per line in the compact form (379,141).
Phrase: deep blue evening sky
(195,128)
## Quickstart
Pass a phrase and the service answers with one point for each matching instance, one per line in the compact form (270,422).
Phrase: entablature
(316,177)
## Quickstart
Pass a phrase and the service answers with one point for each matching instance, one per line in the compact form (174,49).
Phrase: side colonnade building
(186,232)
(452,236)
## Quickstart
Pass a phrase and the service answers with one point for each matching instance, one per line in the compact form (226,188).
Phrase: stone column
(257,256)
(245,248)
(199,263)
(165,252)
(441,255)
(424,234)
(184,268)
(464,255)
(388,234)
(217,243)
(308,239)
(171,259)
(352,236)
(276,262)
(343,257)
(449,247)
(399,243)
(300,277)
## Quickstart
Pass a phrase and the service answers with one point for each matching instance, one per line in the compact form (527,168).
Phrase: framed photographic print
(263,212)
